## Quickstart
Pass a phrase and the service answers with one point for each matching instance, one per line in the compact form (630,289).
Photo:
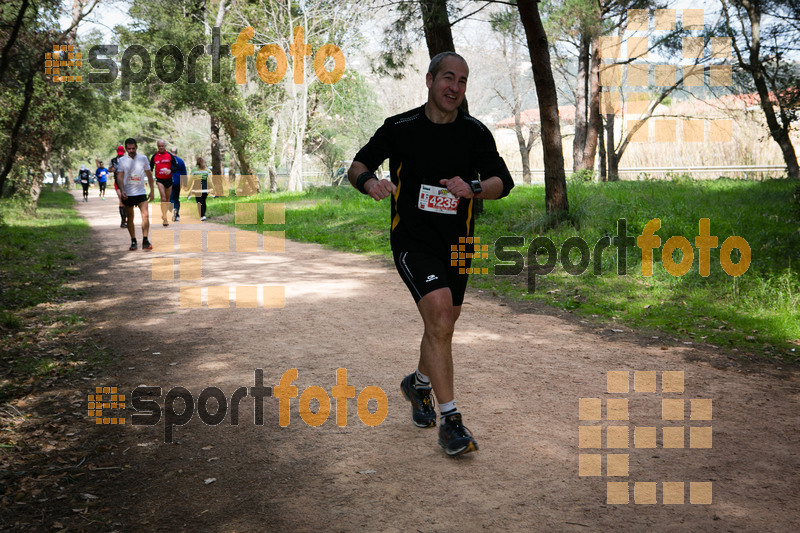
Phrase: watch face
(476,186)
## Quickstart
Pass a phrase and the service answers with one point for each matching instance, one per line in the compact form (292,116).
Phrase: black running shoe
(422,412)
(455,438)
(133,246)
(147,245)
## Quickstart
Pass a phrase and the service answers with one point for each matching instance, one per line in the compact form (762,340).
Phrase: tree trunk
(612,158)
(21,118)
(780,133)
(581,124)
(555,183)
(12,38)
(216,156)
(602,152)
(436,25)
(595,120)
(271,171)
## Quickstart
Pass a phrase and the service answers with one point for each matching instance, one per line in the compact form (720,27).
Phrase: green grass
(39,258)
(758,312)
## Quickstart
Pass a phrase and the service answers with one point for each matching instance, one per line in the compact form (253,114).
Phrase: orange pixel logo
(97,403)
(62,56)
(618,435)
(459,254)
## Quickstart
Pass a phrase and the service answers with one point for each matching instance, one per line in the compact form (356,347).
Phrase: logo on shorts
(431,278)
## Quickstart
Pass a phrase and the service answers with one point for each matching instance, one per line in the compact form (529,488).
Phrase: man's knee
(438,313)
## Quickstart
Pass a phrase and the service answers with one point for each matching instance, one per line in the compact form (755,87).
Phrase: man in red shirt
(163,164)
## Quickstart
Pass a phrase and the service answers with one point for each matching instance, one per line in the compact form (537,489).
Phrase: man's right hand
(380,189)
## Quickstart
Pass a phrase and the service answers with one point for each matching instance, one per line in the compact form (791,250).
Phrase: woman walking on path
(200,173)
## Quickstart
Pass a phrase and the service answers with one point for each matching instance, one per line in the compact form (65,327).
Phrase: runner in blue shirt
(175,196)
(102,176)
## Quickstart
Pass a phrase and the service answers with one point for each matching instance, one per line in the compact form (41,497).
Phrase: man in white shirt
(131,171)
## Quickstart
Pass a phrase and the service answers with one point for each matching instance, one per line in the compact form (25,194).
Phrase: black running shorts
(133,201)
(424,273)
(167,183)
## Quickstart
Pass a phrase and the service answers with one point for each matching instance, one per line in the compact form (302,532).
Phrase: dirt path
(519,377)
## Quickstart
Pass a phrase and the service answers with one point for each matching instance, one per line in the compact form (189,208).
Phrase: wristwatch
(363,178)
(475,185)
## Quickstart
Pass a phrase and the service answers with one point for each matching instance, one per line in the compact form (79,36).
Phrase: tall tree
(765,35)
(555,181)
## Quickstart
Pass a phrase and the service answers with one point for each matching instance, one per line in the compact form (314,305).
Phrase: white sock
(422,381)
(447,409)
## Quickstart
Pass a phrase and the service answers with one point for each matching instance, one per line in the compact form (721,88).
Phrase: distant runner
(131,171)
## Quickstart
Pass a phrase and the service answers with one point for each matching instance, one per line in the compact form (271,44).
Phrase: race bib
(135,178)
(164,173)
(437,200)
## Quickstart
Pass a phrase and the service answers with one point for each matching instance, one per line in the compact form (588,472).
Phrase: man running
(131,170)
(112,169)
(85,178)
(434,154)
(102,176)
(175,196)
(164,165)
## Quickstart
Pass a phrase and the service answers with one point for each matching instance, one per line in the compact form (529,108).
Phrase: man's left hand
(458,187)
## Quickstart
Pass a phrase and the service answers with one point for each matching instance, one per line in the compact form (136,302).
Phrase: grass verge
(756,313)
